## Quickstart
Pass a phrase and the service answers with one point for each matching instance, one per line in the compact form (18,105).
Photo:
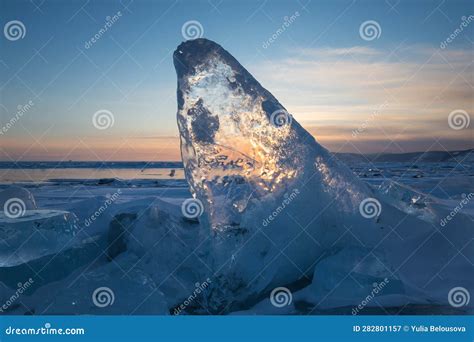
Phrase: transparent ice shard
(35,234)
(238,142)
(275,201)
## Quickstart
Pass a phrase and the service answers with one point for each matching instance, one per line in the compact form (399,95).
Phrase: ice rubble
(21,195)
(28,233)
(103,290)
(69,260)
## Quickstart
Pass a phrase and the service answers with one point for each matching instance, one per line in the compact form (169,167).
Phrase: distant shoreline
(431,156)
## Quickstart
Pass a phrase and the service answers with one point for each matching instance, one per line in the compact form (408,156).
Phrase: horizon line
(180,161)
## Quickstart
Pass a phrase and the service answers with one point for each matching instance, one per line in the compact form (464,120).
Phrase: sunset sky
(390,94)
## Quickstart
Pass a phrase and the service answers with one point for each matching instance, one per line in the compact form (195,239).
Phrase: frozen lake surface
(82,189)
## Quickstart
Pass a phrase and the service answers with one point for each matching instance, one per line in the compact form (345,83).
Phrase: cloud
(323,53)
(404,95)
